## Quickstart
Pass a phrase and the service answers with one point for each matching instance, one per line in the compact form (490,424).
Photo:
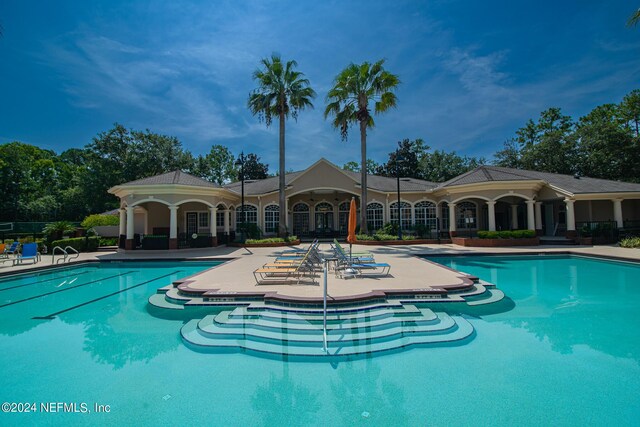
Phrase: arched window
(425,214)
(405,214)
(374,216)
(271,218)
(250,214)
(466,215)
(301,207)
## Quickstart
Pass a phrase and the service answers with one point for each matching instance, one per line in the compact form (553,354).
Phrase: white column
(123,221)
(227,214)
(617,212)
(531,222)
(173,222)
(571,216)
(514,217)
(212,221)
(452,217)
(538,215)
(130,222)
(491,210)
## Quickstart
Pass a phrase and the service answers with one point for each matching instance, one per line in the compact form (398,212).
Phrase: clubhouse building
(176,210)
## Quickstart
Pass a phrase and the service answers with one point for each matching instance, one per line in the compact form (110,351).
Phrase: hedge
(81,244)
(98,220)
(507,234)
(630,242)
(271,240)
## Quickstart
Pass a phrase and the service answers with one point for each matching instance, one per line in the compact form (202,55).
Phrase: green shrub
(108,241)
(409,237)
(57,230)
(81,244)
(99,220)
(506,234)
(288,239)
(364,237)
(389,229)
(630,242)
(383,236)
(422,231)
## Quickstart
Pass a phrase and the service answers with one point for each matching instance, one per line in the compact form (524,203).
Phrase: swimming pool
(563,350)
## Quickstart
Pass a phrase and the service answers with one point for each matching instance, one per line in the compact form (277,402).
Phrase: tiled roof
(581,185)
(175,177)
(374,182)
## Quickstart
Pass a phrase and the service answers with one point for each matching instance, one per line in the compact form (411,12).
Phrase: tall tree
(372,166)
(354,89)
(254,168)
(216,166)
(411,153)
(441,166)
(281,92)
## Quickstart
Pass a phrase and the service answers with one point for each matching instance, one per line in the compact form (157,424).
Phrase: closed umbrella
(353,215)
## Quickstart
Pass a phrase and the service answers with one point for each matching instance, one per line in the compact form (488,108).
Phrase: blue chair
(13,249)
(29,253)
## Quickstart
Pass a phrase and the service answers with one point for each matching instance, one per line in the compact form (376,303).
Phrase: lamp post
(398,159)
(240,163)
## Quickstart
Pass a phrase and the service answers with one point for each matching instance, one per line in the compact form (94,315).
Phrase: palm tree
(354,88)
(634,19)
(281,92)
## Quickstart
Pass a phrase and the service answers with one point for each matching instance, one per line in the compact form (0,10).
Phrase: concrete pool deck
(408,272)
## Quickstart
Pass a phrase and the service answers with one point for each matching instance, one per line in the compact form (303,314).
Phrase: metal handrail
(53,255)
(75,254)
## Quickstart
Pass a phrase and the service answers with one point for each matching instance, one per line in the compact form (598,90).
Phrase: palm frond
(634,19)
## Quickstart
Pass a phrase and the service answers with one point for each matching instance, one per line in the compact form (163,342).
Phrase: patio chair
(299,252)
(29,253)
(363,254)
(3,247)
(284,274)
(359,268)
(13,249)
(342,255)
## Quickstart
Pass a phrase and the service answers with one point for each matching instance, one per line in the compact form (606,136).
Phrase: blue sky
(472,72)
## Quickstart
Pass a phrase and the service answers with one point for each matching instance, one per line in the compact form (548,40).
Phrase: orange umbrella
(353,219)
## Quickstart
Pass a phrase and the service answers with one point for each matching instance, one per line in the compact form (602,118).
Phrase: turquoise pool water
(563,350)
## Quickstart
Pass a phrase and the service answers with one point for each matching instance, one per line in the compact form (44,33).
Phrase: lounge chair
(344,256)
(356,254)
(3,247)
(285,273)
(359,268)
(13,249)
(300,252)
(29,253)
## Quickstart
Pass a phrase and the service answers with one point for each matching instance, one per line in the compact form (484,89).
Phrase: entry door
(324,221)
(300,223)
(549,223)
(192,223)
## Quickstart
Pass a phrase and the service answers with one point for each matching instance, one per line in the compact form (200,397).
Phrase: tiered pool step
(301,334)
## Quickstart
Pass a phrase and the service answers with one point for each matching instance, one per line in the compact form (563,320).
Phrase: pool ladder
(67,254)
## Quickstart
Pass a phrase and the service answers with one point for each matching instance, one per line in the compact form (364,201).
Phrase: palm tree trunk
(282,199)
(363,177)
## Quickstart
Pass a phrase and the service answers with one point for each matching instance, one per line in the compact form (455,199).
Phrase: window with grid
(425,214)
(271,218)
(220,216)
(405,214)
(343,216)
(203,219)
(466,215)
(250,213)
(374,216)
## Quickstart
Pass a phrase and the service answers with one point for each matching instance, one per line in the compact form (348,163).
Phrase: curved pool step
(160,301)
(193,337)
(349,332)
(489,297)
(231,318)
(333,314)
